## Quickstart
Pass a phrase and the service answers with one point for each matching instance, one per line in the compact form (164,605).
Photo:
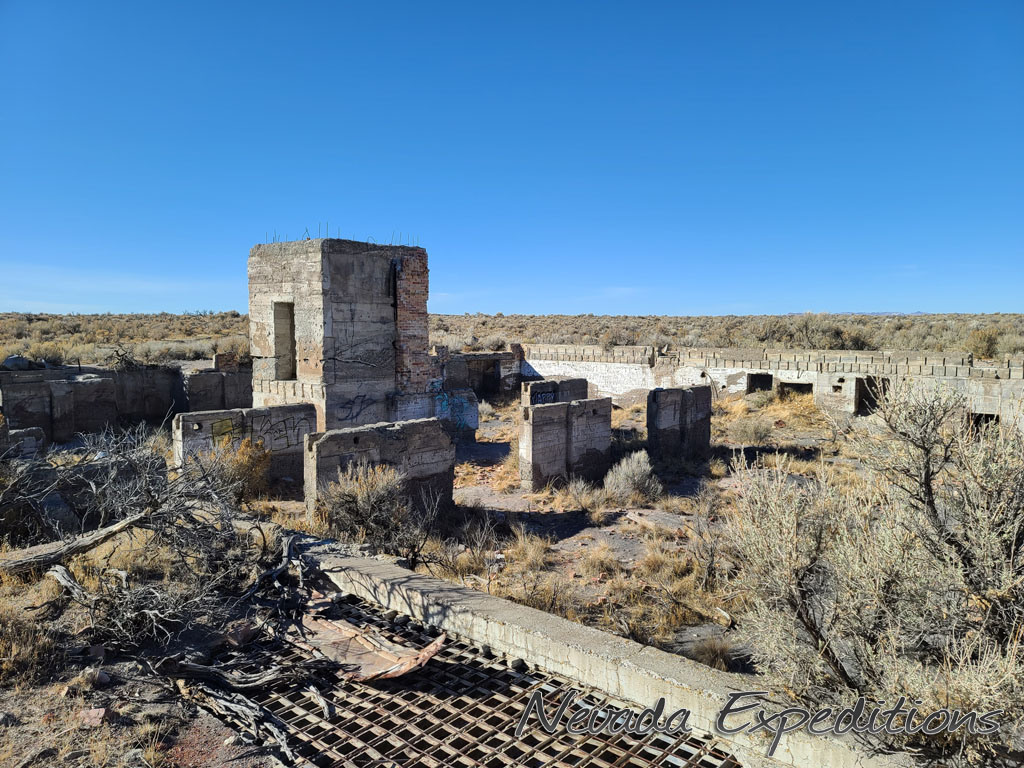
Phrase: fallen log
(54,553)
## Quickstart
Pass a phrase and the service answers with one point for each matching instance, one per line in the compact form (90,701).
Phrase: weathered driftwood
(244,711)
(53,553)
(176,667)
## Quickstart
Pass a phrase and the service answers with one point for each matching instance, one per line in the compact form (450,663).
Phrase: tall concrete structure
(342,325)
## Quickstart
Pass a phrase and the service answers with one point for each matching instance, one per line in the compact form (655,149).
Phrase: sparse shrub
(907,582)
(632,480)
(486,410)
(751,431)
(717,652)
(366,503)
(246,466)
(581,495)
(983,342)
(762,398)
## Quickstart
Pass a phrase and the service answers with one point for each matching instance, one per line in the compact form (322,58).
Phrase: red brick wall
(414,368)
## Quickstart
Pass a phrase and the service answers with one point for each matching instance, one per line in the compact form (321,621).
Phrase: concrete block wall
(696,422)
(554,390)
(212,390)
(421,449)
(542,444)
(557,440)
(588,438)
(839,379)
(679,422)
(65,401)
(279,429)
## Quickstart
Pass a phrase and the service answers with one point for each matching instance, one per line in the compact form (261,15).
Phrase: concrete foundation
(421,449)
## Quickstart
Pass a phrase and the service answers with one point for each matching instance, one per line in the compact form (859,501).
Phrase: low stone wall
(558,440)
(62,403)
(279,429)
(421,449)
(679,423)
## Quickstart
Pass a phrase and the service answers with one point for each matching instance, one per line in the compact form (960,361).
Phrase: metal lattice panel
(459,711)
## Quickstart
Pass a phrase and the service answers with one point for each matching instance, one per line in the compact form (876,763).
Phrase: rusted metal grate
(459,711)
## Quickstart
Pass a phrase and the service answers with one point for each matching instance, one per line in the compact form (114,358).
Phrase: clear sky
(614,158)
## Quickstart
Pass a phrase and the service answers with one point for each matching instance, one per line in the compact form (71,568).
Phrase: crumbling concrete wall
(841,380)
(65,401)
(214,390)
(421,449)
(281,430)
(679,423)
(588,438)
(20,442)
(489,374)
(557,389)
(557,440)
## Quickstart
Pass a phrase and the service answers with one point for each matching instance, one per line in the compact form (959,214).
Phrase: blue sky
(613,158)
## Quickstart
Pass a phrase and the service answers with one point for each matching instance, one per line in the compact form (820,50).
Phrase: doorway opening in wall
(982,421)
(284,340)
(869,390)
(759,382)
(787,388)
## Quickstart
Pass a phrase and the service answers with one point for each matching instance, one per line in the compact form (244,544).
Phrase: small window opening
(284,340)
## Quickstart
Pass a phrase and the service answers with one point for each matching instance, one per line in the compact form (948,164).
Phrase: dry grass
(148,338)
(580,495)
(528,552)
(246,465)
(599,561)
(1000,333)
(506,479)
(28,648)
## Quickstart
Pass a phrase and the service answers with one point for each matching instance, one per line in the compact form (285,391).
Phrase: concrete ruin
(280,430)
(63,402)
(679,423)
(843,382)
(557,389)
(558,440)
(20,442)
(421,449)
(489,375)
(343,325)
